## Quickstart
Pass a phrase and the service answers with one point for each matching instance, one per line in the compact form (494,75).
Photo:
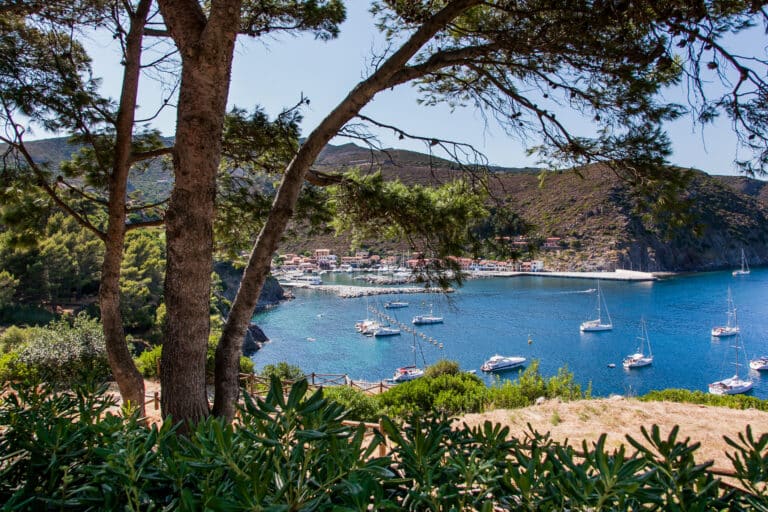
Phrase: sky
(276,72)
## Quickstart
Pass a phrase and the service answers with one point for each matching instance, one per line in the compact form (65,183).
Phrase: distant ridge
(592,215)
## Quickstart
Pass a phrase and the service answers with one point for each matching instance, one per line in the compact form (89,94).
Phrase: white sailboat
(427,319)
(732,385)
(411,372)
(744,270)
(640,358)
(598,324)
(731,327)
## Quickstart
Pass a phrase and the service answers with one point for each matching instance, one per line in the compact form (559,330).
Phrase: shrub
(701,398)
(149,362)
(61,354)
(442,367)
(12,338)
(282,371)
(449,394)
(359,406)
(531,385)
(246,365)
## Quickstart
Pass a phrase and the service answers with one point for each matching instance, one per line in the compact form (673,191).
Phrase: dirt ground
(617,417)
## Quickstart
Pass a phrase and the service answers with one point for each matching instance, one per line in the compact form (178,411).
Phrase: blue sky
(275,73)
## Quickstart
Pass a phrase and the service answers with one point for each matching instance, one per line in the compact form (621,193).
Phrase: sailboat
(639,358)
(732,385)
(730,328)
(598,324)
(406,373)
(427,319)
(744,270)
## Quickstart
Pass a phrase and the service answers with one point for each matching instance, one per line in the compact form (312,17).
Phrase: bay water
(315,331)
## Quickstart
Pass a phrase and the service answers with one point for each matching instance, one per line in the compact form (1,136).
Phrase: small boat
(639,358)
(498,363)
(744,270)
(598,324)
(732,385)
(385,331)
(760,364)
(395,304)
(730,328)
(427,319)
(407,373)
(367,326)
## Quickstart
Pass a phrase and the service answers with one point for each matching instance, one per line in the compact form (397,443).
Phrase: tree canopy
(513,60)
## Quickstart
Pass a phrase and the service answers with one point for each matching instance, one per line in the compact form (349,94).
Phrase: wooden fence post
(157,400)
(383,445)
(313,378)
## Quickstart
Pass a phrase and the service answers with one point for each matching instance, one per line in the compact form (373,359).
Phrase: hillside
(591,214)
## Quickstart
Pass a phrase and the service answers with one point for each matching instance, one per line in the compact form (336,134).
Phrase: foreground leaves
(65,450)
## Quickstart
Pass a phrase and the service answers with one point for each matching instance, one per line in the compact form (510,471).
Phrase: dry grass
(585,420)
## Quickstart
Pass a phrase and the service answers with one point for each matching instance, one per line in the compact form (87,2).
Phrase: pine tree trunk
(206,48)
(129,380)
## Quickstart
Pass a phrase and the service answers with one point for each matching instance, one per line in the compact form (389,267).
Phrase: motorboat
(731,327)
(640,358)
(598,324)
(385,331)
(744,270)
(498,363)
(427,319)
(367,326)
(395,304)
(406,373)
(760,364)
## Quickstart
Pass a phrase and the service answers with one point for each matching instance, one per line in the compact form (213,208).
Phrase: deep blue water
(488,316)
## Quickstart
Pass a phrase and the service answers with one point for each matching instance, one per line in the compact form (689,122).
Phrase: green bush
(148,362)
(442,367)
(282,371)
(13,337)
(446,393)
(701,398)
(246,365)
(63,354)
(359,406)
(531,385)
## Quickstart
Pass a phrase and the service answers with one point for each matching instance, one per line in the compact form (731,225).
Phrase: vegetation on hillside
(64,450)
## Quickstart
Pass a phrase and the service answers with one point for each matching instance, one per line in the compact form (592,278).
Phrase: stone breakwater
(351,292)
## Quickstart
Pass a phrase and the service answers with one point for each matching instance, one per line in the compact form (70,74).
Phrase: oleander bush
(531,385)
(65,451)
(701,398)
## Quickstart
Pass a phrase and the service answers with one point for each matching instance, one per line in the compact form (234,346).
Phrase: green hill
(591,214)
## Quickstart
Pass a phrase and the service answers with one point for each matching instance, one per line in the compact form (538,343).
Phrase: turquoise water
(487,316)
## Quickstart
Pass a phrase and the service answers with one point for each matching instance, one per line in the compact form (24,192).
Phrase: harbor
(499,316)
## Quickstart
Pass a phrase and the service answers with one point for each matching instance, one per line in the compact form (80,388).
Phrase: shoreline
(353,291)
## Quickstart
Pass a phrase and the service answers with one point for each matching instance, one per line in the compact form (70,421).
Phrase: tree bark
(124,371)
(206,48)
(260,260)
